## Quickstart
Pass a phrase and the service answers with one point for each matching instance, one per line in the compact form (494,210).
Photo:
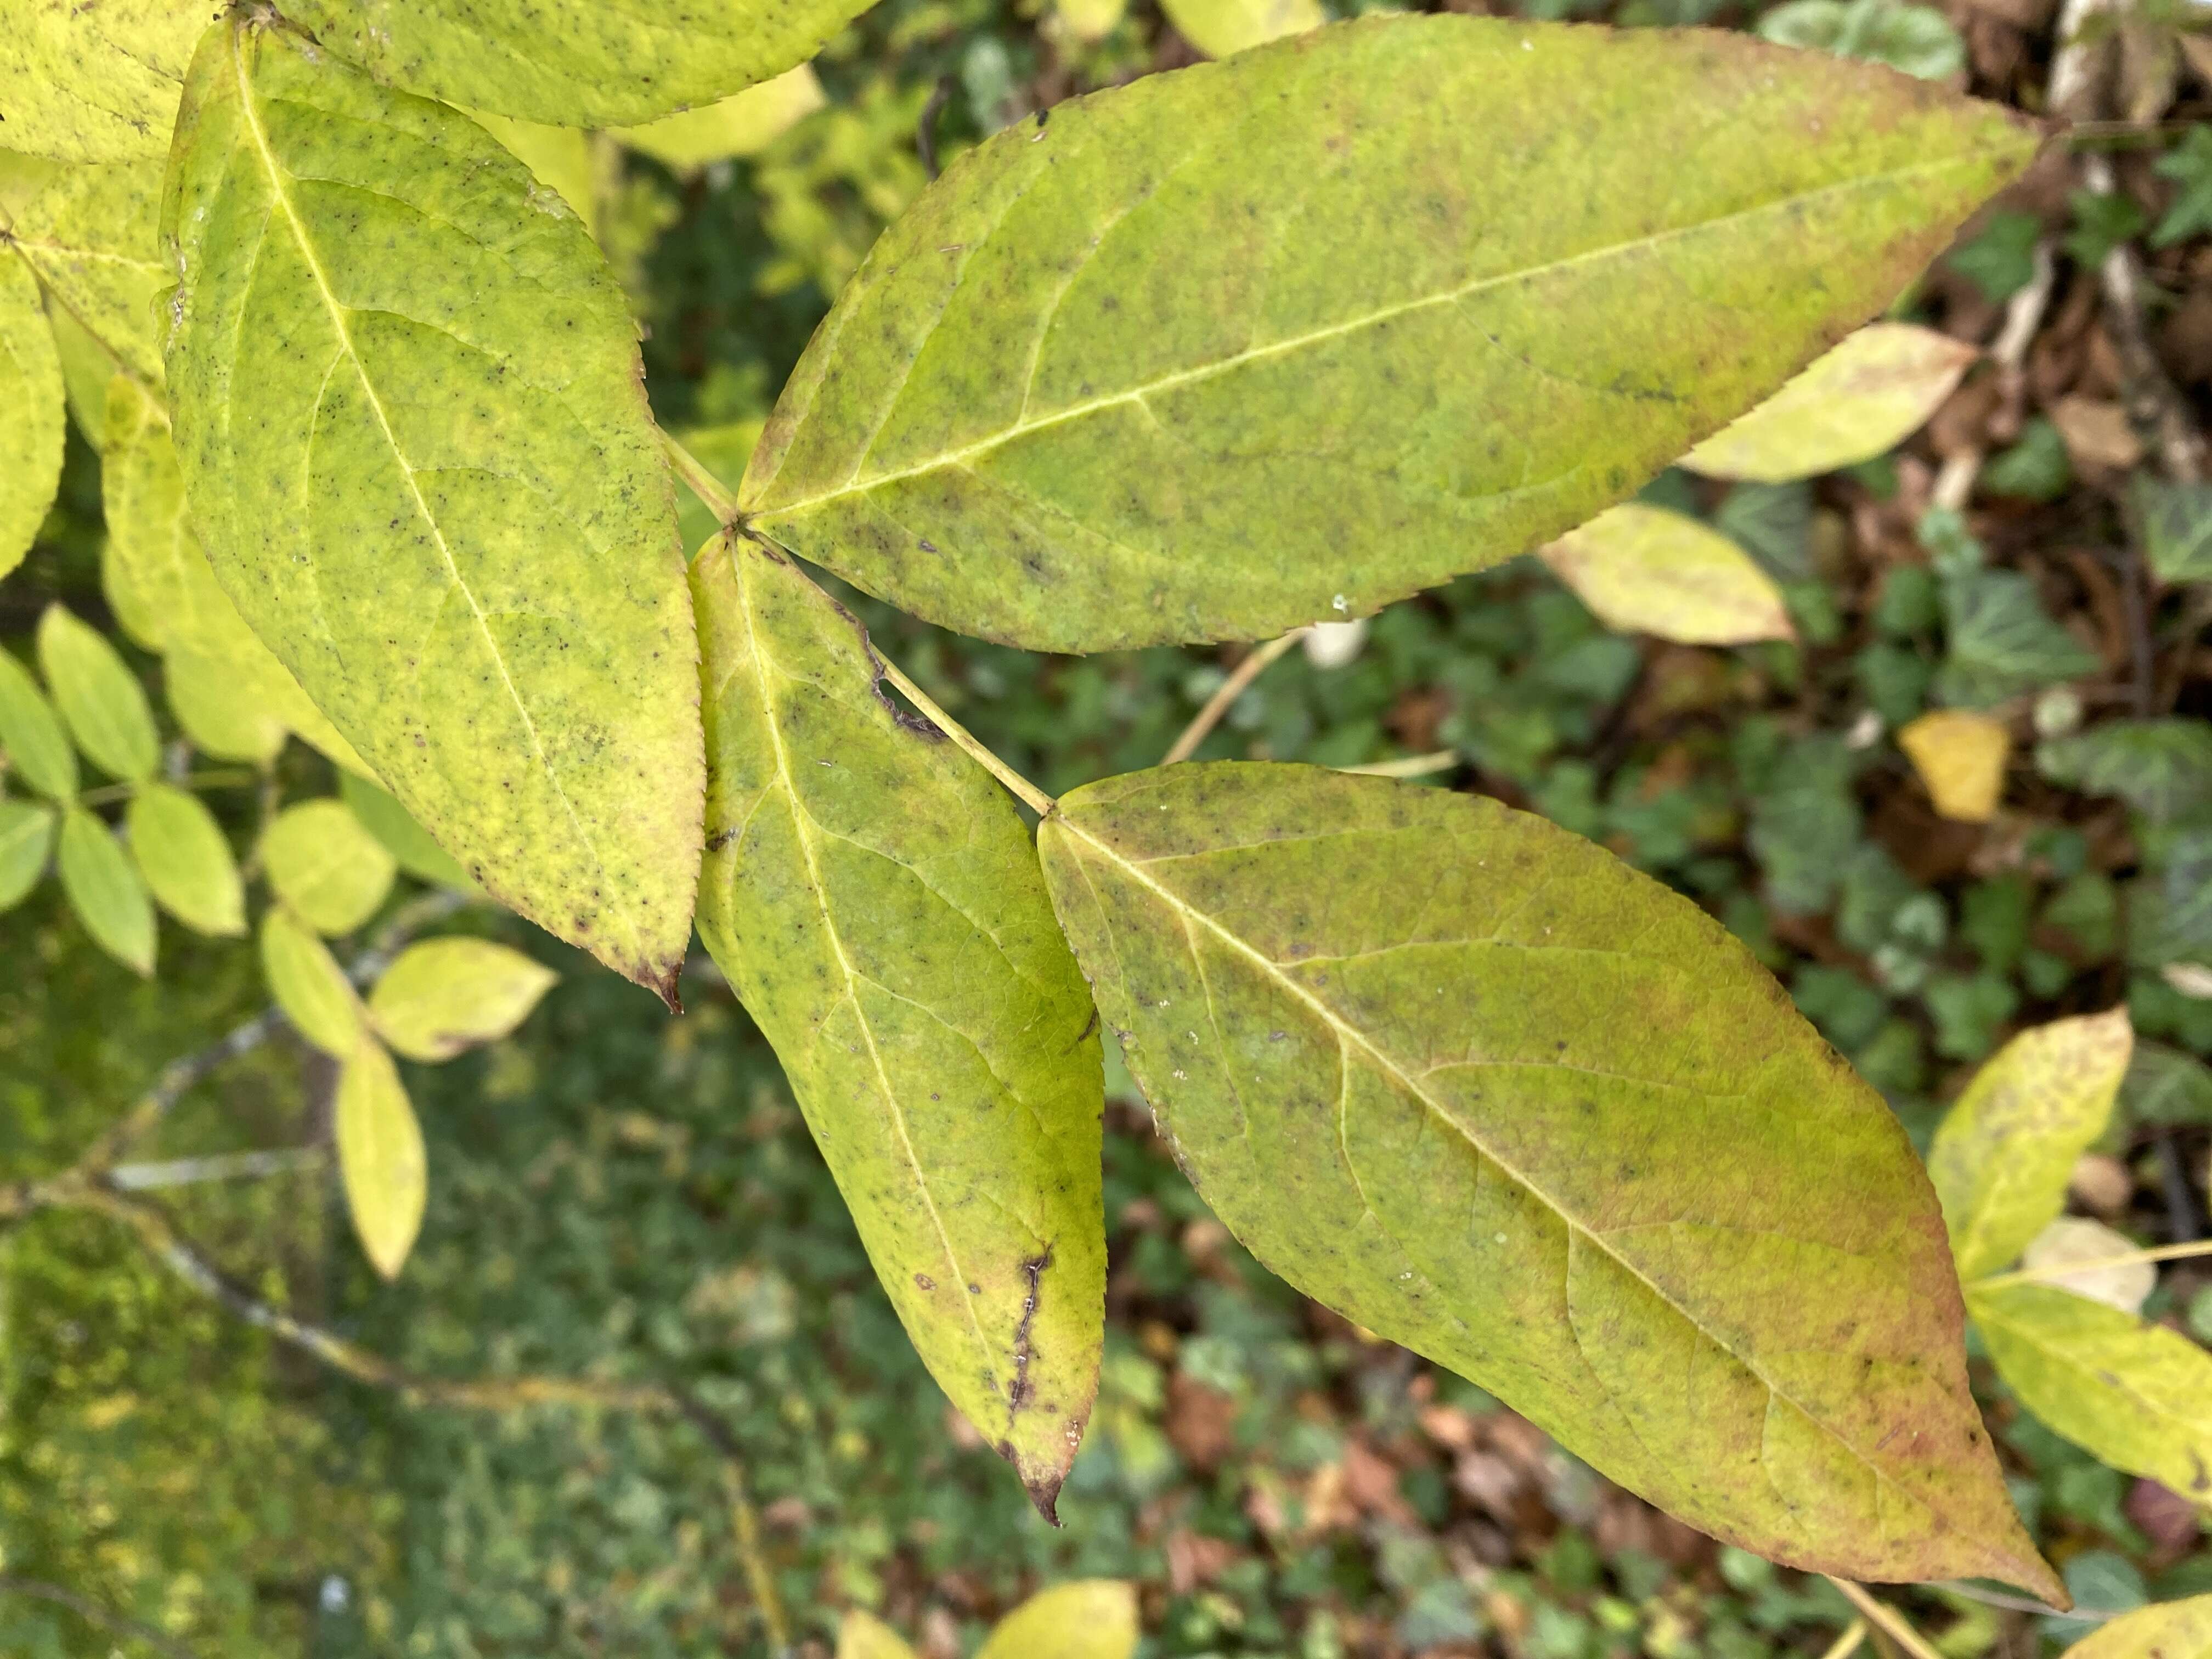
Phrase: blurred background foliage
(621,1196)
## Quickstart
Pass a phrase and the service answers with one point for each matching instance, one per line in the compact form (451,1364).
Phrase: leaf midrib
(803,823)
(1347,1033)
(338,312)
(1138,394)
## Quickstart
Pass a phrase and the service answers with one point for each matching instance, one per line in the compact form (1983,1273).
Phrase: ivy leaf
(2000,641)
(1088,1618)
(863,1636)
(2177,524)
(2189,164)
(408,842)
(445,996)
(745,124)
(1112,380)
(1919,41)
(876,904)
(2136,1394)
(96,82)
(1221,27)
(31,392)
(325,866)
(574,64)
(1646,570)
(380,1157)
(106,891)
(2165,1086)
(101,699)
(186,860)
(1861,400)
(441,501)
(1543,1120)
(31,734)
(92,238)
(26,832)
(2168,1629)
(309,986)
(2170,906)
(2002,1156)
(229,692)
(2161,768)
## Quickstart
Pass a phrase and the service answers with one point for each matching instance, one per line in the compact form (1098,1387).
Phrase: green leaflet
(578,62)
(323,863)
(26,833)
(106,891)
(2169,1630)
(380,1157)
(229,690)
(2161,768)
(2137,1395)
(2002,1156)
(1471,1081)
(92,238)
(874,900)
(31,393)
(1219,27)
(408,842)
(309,986)
(101,699)
(745,124)
(1089,1618)
(445,995)
(436,493)
(863,1636)
(1289,336)
(186,861)
(31,735)
(96,82)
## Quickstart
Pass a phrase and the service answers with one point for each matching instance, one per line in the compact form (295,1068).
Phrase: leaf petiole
(2064,1270)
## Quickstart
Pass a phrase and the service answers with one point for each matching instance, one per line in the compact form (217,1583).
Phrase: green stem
(217,779)
(1243,674)
(712,494)
(2058,1270)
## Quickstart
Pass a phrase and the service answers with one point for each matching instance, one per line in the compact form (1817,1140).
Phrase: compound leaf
(1861,400)
(446,995)
(1646,570)
(1537,1117)
(26,832)
(309,986)
(92,237)
(106,891)
(2168,1629)
(1089,1618)
(436,493)
(2136,1394)
(31,734)
(1113,380)
(186,860)
(100,697)
(323,863)
(571,62)
(380,1157)
(2002,1156)
(96,82)
(31,393)
(876,903)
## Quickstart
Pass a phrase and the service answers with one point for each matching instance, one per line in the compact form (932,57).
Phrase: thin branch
(222,1166)
(92,1612)
(1886,1620)
(1032,797)
(1254,663)
(2061,1270)
(715,496)
(1848,1642)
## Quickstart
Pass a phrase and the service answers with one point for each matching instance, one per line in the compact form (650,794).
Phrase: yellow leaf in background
(444,995)
(1646,570)
(325,866)
(380,1157)
(2002,1156)
(2071,1239)
(1089,1618)
(1091,21)
(863,1636)
(559,158)
(2168,1629)
(1960,757)
(308,984)
(1869,394)
(1218,27)
(745,124)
